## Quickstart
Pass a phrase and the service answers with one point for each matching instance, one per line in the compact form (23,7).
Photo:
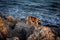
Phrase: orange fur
(32,20)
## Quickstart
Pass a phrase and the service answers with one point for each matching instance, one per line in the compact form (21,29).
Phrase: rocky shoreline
(16,29)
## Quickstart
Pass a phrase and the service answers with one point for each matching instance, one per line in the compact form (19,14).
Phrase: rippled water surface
(48,11)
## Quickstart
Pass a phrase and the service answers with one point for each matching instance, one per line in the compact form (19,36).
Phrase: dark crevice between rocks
(23,34)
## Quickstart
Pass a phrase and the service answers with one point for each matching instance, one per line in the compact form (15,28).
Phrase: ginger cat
(32,20)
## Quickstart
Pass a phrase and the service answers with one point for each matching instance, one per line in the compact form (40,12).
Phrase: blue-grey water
(48,11)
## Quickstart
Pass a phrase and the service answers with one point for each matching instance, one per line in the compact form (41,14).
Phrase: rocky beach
(13,22)
(16,29)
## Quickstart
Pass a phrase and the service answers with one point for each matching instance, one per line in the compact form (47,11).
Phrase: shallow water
(48,11)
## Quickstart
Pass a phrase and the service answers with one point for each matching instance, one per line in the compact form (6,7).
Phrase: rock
(3,27)
(16,29)
(13,38)
(24,30)
(44,33)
